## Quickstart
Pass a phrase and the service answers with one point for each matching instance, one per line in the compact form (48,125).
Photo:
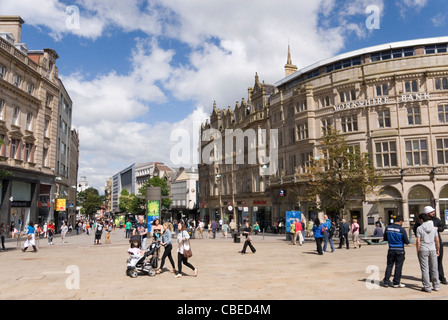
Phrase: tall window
(443,113)
(16,80)
(2,106)
(349,123)
(303,131)
(416,152)
(411,86)
(382,90)
(386,154)
(384,119)
(28,149)
(30,88)
(2,72)
(47,126)
(326,126)
(441,84)
(325,102)
(44,157)
(13,148)
(347,96)
(15,116)
(48,100)
(306,160)
(301,106)
(414,117)
(29,121)
(292,135)
(442,151)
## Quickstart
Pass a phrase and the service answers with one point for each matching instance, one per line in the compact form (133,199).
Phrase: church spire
(289,67)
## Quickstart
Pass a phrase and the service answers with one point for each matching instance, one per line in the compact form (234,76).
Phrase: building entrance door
(391,214)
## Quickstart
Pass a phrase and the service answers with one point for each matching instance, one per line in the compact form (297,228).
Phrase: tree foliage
(341,174)
(165,190)
(130,203)
(90,201)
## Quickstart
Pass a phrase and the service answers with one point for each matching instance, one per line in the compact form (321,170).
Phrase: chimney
(12,24)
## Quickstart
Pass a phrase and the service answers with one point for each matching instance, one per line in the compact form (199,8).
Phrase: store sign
(380,101)
(60,204)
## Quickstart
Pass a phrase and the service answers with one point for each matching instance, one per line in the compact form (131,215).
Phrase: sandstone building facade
(390,100)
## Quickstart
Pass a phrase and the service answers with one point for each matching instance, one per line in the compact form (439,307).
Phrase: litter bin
(236,238)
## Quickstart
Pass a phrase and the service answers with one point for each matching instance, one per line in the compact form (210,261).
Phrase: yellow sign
(60,204)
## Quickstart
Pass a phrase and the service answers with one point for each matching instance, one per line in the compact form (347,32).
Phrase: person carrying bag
(184,250)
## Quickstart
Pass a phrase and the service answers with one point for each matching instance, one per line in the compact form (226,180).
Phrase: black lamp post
(340,161)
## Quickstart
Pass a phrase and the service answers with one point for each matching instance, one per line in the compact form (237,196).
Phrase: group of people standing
(428,246)
(323,233)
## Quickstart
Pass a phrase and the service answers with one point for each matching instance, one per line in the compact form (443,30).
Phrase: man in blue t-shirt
(396,236)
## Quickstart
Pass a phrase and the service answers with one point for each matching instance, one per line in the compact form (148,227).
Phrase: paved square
(277,271)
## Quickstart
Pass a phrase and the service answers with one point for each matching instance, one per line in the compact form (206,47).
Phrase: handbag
(187,252)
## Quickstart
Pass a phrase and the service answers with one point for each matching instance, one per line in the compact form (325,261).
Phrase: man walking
(327,236)
(343,234)
(431,212)
(427,251)
(396,236)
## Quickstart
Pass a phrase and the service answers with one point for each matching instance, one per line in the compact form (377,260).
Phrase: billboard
(60,204)
(153,212)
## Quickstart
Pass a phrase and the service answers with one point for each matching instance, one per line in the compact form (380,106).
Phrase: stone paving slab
(277,271)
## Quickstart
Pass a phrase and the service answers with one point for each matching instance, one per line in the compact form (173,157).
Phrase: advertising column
(154,203)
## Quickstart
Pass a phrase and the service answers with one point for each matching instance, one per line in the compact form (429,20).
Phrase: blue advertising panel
(153,212)
(291,217)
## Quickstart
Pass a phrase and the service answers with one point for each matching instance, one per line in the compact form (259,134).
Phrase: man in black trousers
(343,234)
(431,212)
(397,237)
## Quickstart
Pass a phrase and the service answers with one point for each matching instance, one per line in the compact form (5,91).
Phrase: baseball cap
(428,209)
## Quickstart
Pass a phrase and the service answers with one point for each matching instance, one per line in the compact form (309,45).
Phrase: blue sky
(136,70)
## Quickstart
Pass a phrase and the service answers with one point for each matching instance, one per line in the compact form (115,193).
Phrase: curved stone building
(390,100)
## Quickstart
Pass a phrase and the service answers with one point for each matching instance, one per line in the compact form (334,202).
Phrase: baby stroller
(140,261)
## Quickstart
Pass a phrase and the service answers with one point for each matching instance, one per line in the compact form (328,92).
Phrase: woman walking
(318,236)
(64,230)
(355,232)
(31,240)
(167,243)
(246,232)
(183,244)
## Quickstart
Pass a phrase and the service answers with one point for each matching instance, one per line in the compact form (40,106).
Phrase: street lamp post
(218,179)
(340,161)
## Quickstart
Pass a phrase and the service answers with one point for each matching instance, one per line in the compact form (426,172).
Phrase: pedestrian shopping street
(278,270)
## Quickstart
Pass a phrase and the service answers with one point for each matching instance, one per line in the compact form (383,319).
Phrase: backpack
(332,230)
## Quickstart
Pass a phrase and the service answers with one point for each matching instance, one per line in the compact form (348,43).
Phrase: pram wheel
(132,273)
(152,273)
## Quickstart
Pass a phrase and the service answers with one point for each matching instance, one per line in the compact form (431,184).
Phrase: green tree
(131,203)
(341,174)
(90,200)
(165,190)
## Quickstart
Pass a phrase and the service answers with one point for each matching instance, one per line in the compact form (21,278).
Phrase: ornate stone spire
(289,67)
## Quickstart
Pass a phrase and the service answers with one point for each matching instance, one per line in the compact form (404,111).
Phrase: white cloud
(228,42)
(438,20)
